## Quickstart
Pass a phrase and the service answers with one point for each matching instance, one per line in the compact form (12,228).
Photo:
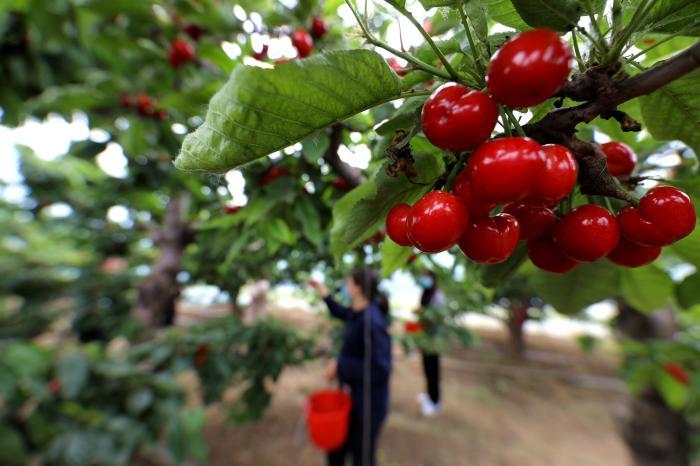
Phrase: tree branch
(351,175)
(559,126)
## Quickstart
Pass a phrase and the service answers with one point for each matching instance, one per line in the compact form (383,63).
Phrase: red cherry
(620,157)
(274,173)
(670,210)
(545,255)
(303,42)
(629,254)
(180,52)
(506,169)
(559,176)
(529,68)
(456,119)
(160,115)
(194,31)
(318,27)
(125,100)
(396,66)
(414,327)
(262,54)
(639,230)
(144,104)
(587,233)
(436,221)
(232,209)
(463,190)
(396,226)
(54,386)
(341,184)
(412,258)
(490,240)
(428,26)
(677,372)
(534,221)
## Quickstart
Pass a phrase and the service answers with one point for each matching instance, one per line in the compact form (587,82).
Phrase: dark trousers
(353,444)
(431,367)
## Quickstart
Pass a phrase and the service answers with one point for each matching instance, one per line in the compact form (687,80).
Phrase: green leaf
(673,112)
(314,146)
(139,401)
(12,451)
(674,393)
(308,218)
(585,285)
(561,15)
(26,360)
(427,4)
(688,248)
(497,274)
(369,213)
(278,230)
(504,12)
(646,288)
(673,16)
(260,111)
(73,372)
(688,291)
(394,256)
(341,216)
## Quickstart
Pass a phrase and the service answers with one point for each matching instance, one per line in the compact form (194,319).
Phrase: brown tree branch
(351,175)
(559,126)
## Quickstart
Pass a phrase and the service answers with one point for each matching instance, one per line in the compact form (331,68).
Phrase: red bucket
(327,417)
(414,327)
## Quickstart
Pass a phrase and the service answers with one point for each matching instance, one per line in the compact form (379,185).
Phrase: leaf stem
(472,44)
(577,52)
(594,22)
(662,41)
(406,56)
(505,122)
(514,121)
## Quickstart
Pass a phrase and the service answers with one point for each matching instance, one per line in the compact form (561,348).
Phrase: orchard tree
(495,132)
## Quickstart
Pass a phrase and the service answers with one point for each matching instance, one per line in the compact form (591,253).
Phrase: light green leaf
(314,146)
(688,248)
(341,217)
(394,256)
(673,112)
(139,401)
(560,15)
(277,229)
(308,218)
(646,288)
(73,372)
(674,393)
(585,285)
(260,111)
(504,12)
(673,16)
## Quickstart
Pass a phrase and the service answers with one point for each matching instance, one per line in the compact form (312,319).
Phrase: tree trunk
(655,434)
(517,315)
(158,292)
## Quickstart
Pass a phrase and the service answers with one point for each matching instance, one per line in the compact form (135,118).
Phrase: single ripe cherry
(232,209)
(670,210)
(318,27)
(678,372)
(195,32)
(629,254)
(396,224)
(490,240)
(546,256)
(262,54)
(456,119)
(275,173)
(437,221)
(639,230)
(587,233)
(529,68)
(341,184)
(144,105)
(180,52)
(302,41)
(620,158)
(506,169)
(534,220)
(463,190)
(559,176)
(396,66)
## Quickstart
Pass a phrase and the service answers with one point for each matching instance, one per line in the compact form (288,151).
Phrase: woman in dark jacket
(364,363)
(431,297)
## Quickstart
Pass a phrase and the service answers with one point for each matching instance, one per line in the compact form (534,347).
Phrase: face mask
(425,282)
(344,293)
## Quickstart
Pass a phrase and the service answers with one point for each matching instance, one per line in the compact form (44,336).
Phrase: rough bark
(655,434)
(158,292)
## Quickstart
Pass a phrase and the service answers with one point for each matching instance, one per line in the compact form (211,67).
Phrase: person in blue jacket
(364,363)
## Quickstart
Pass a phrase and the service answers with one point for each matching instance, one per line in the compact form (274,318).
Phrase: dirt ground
(554,408)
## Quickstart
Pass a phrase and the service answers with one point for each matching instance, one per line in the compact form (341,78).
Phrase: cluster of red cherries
(528,179)
(143,105)
(302,40)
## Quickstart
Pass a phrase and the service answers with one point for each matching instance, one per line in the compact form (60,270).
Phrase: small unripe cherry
(397,226)
(534,221)
(629,254)
(490,240)
(456,119)
(620,158)
(587,233)
(437,221)
(546,256)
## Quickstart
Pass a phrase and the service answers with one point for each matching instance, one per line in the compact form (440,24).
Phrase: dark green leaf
(12,451)
(504,12)
(139,401)
(393,256)
(260,111)
(688,291)
(308,218)
(673,112)
(495,275)
(73,372)
(561,15)
(674,16)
